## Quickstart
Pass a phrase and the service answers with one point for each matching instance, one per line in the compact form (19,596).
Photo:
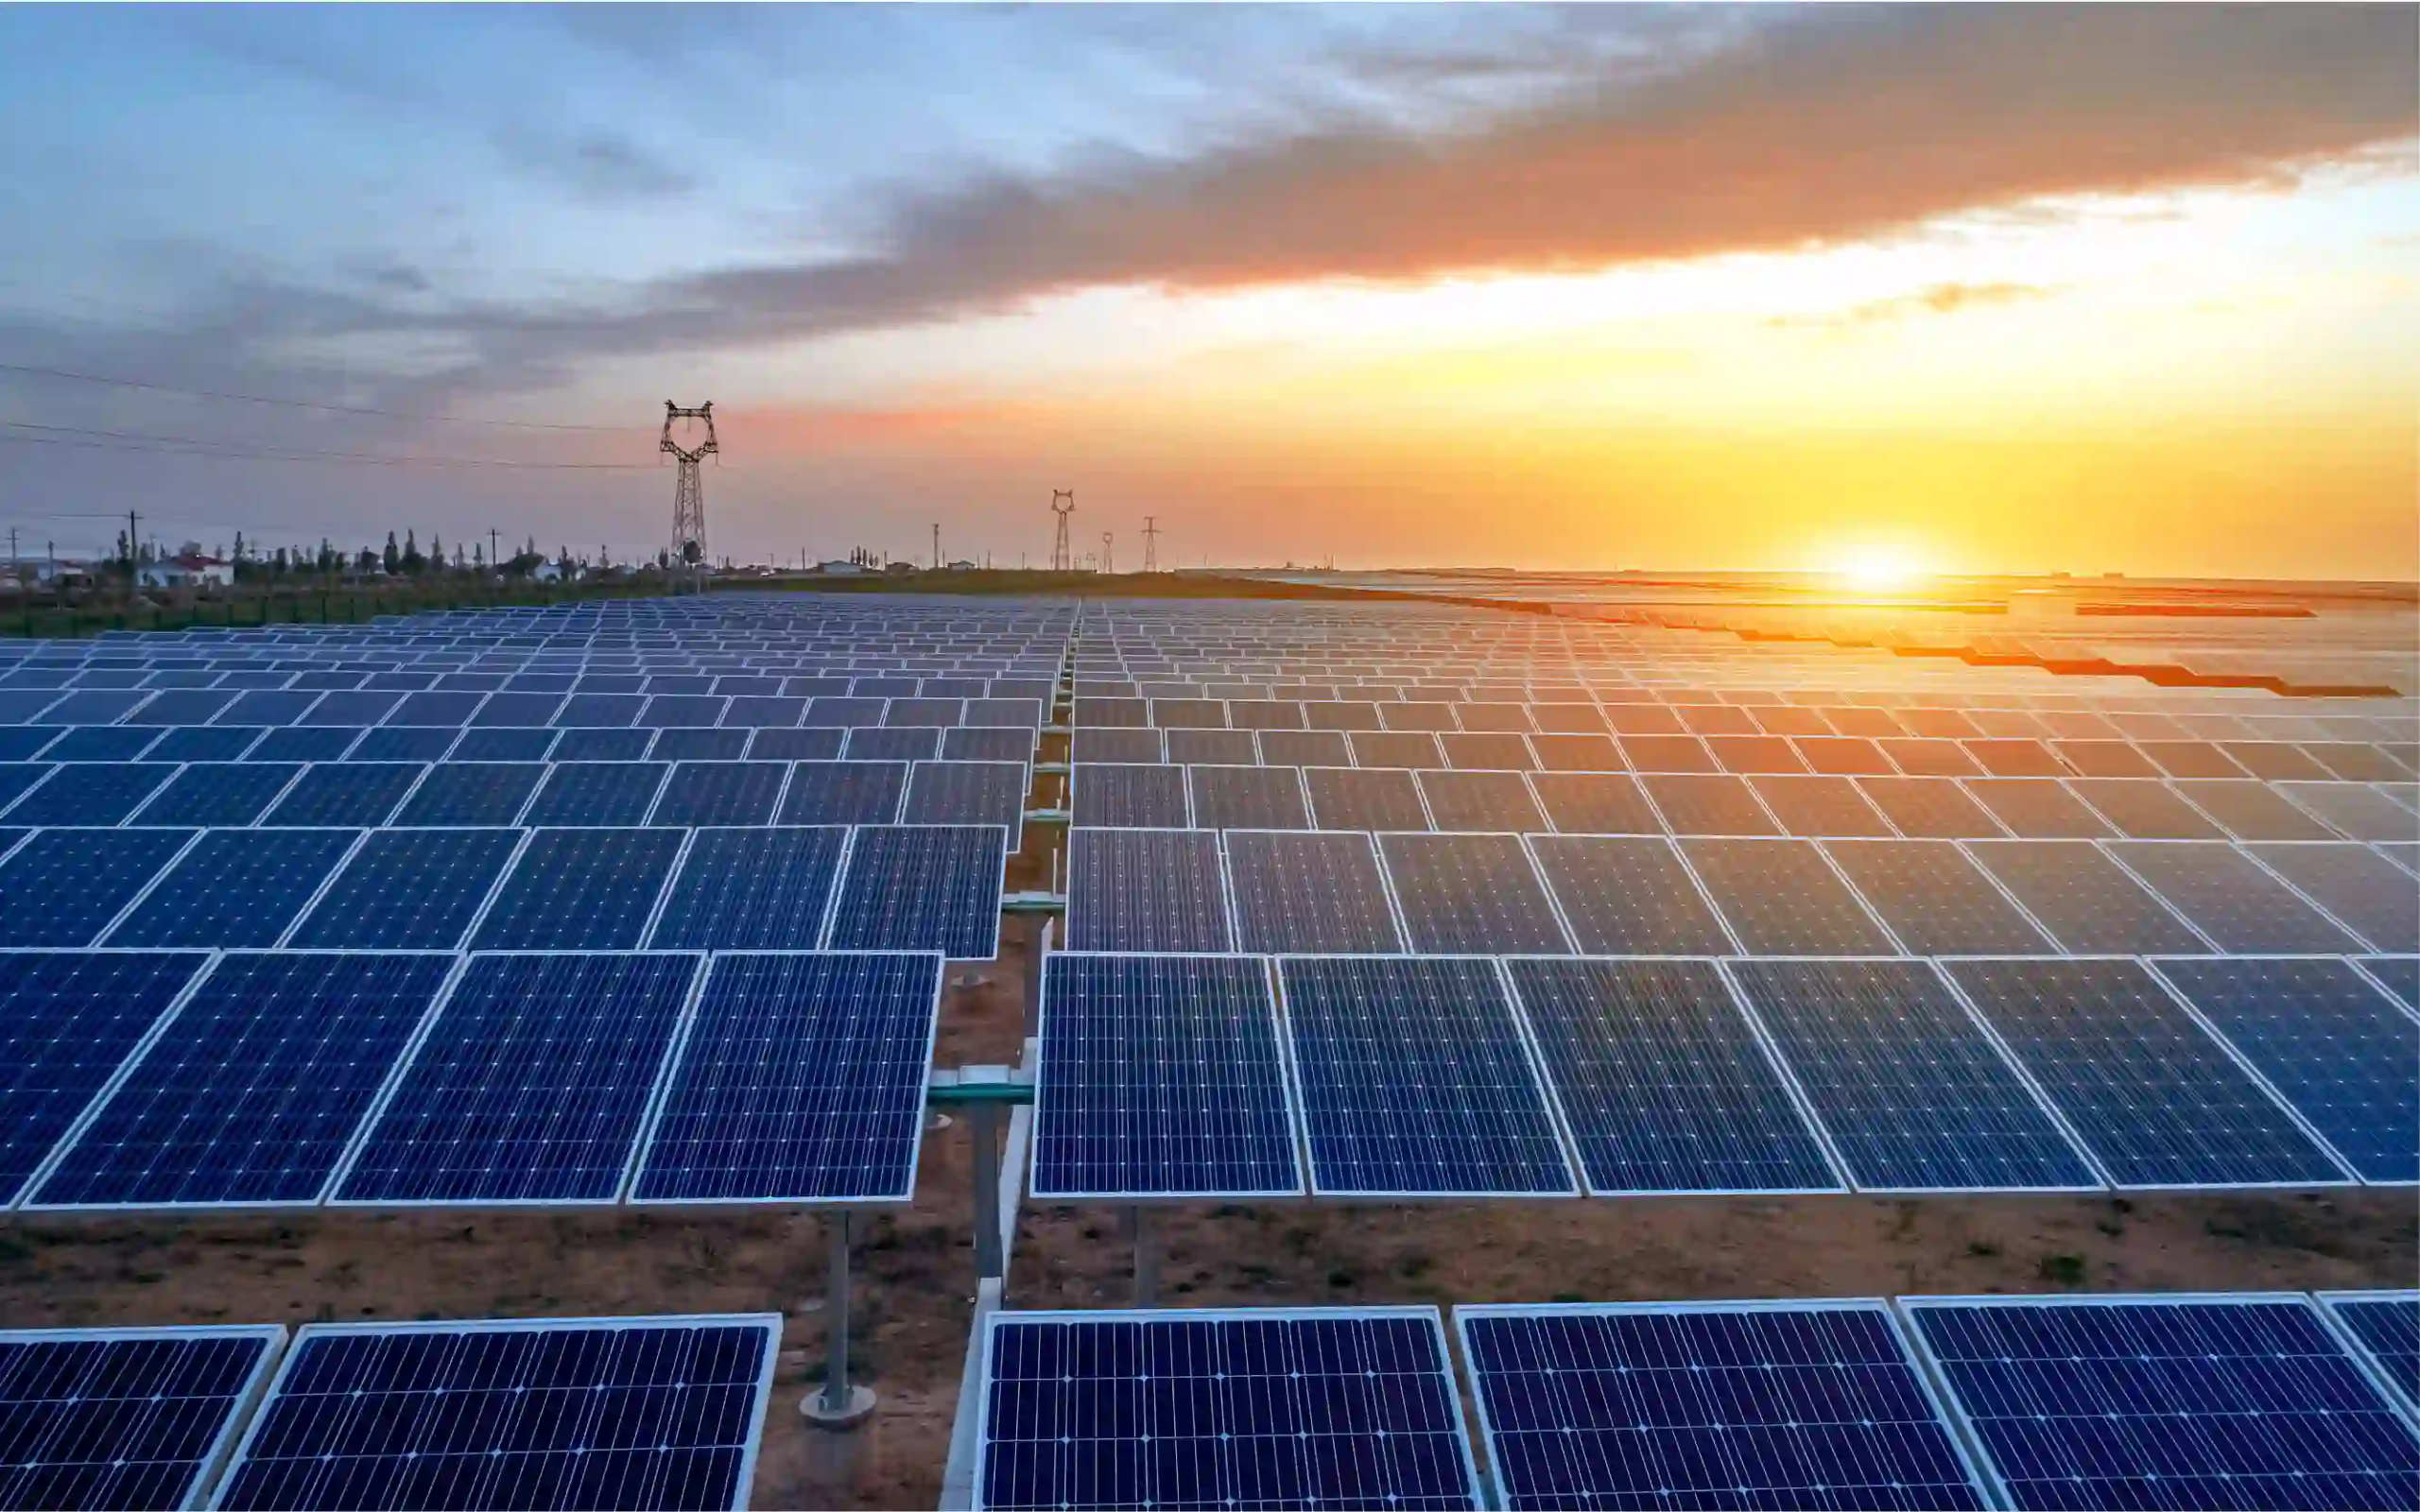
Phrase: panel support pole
(1146,1257)
(983,1126)
(839,1405)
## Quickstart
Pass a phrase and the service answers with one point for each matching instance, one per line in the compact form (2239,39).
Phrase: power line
(140,441)
(62,373)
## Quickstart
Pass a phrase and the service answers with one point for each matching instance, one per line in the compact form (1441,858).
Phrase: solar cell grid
(1731,1404)
(124,1417)
(234,888)
(2085,900)
(89,792)
(1161,1076)
(2358,889)
(1935,899)
(923,887)
(2239,906)
(720,793)
(68,1021)
(1146,890)
(639,1413)
(64,887)
(1315,893)
(2166,1401)
(580,890)
(358,795)
(2385,1329)
(1261,1408)
(1782,898)
(768,888)
(1474,894)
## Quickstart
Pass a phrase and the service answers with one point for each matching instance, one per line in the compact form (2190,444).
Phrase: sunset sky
(1976,288)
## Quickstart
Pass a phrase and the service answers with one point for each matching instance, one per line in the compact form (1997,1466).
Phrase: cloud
(1941,298)
(597,162)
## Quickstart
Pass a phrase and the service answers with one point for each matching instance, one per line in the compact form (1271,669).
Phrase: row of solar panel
(738,683)
(1298,891)
(625,1412)
(892,888)
(2014,744)
(498,743)
(1233,1077)
(1219,797)
(94,795)
(2246,1401)
(455,711)
(160,1079)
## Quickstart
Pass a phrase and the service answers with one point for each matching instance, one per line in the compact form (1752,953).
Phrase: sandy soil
(915,1269)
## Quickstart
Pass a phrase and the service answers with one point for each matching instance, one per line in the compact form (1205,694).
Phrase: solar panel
(408,890)
(720,793)
(234,889)
(356,795)
(1479,802)
(2398,974)
(596,795)
(2354,808)
(457,795)
(2144,810)
(89,793)
(843,792)
(2038,808)
(752,889)
(250,1093)
(799,1079)
(203,743)
(1628,896)
(1708,803)
(923,887)
(1129,796)
(1820,806)
(2385,1329)
(2163,1401)
(916,744)
(794,745)
(1415,1080)
(2156,1101)
(2361,888)
(2333,1045)
(123,1417)
(1662,1080)
(601,745)
(218,794)
(1211,748)
(2241,907)
(1928,808)
(968,793)
(1935,899)
(68,1019)
(503,745)
(1266,1407)
(1343,798)
(1146,890)
(64,887)
(1782,898)
(1505,752)
(1910,1092)
(101,743)
(580,890)
(1709,1405)
(1310,893)
(1249,797)
(1161,1076)
(317,743)
(1596,803)
(1577,752)
(389,743)
(628,1412)
(2086,902)
(1474,894)
(499,1103)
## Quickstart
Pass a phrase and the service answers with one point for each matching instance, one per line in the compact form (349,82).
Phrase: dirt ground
(913,1298)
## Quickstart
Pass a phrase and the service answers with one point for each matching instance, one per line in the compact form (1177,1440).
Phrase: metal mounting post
(983,1126)
(839,1405)
(1146,1257)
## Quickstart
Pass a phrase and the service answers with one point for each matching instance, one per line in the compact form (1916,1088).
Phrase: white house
(192,570)
(839,569)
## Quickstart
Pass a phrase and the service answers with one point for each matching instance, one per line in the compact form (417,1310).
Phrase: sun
(1878,568)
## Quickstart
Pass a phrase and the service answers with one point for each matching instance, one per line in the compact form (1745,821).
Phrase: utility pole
(937,546)
(133,535)
(495,561)
(1062,556)
(688,483)
(1108,551)
(1150,543)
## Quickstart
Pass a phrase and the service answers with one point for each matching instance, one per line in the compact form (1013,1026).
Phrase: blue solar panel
(402,743)
(1909,1090)
(101,743)
(67,1022)
(907,745)
(303,744)
(1629,895)
(218,794)
(2398,974)
(1146,890)
(923,887)
(752,889)
(356,794)
(794,745)
(843,792)
(801,1079)
(1474,894)
(507,744)
(1129,796)
(2385,1326)
(967,793)
(105,1418)
(1714,1405)
(15,777)
(459,795)
(64,887)
(2361,888)
(408,890)
(2237,905)
(1781,898)
(234,887)
(638,1413)
(1935,899)
(2151,1094)
(699,746)
(203,743)
(1333,1408)
(701,793)
(1343,798)
(601,745)
(596,795)
(2166,1402)
(1161,1076)
(1662,1081)
(580,890)
(2338,1050)
(1415,1080)
(90,793)
(2086,900)
(1309,893)
(250,1095)
(503,1103)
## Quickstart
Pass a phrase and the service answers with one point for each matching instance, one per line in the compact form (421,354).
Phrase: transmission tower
(1108,551)
(688,484)
(1063,556)
(1150,543)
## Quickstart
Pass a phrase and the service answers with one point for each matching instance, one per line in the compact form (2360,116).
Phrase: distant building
(839,569)
(901,569)
(192,570)
(551,572)
(962,567)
